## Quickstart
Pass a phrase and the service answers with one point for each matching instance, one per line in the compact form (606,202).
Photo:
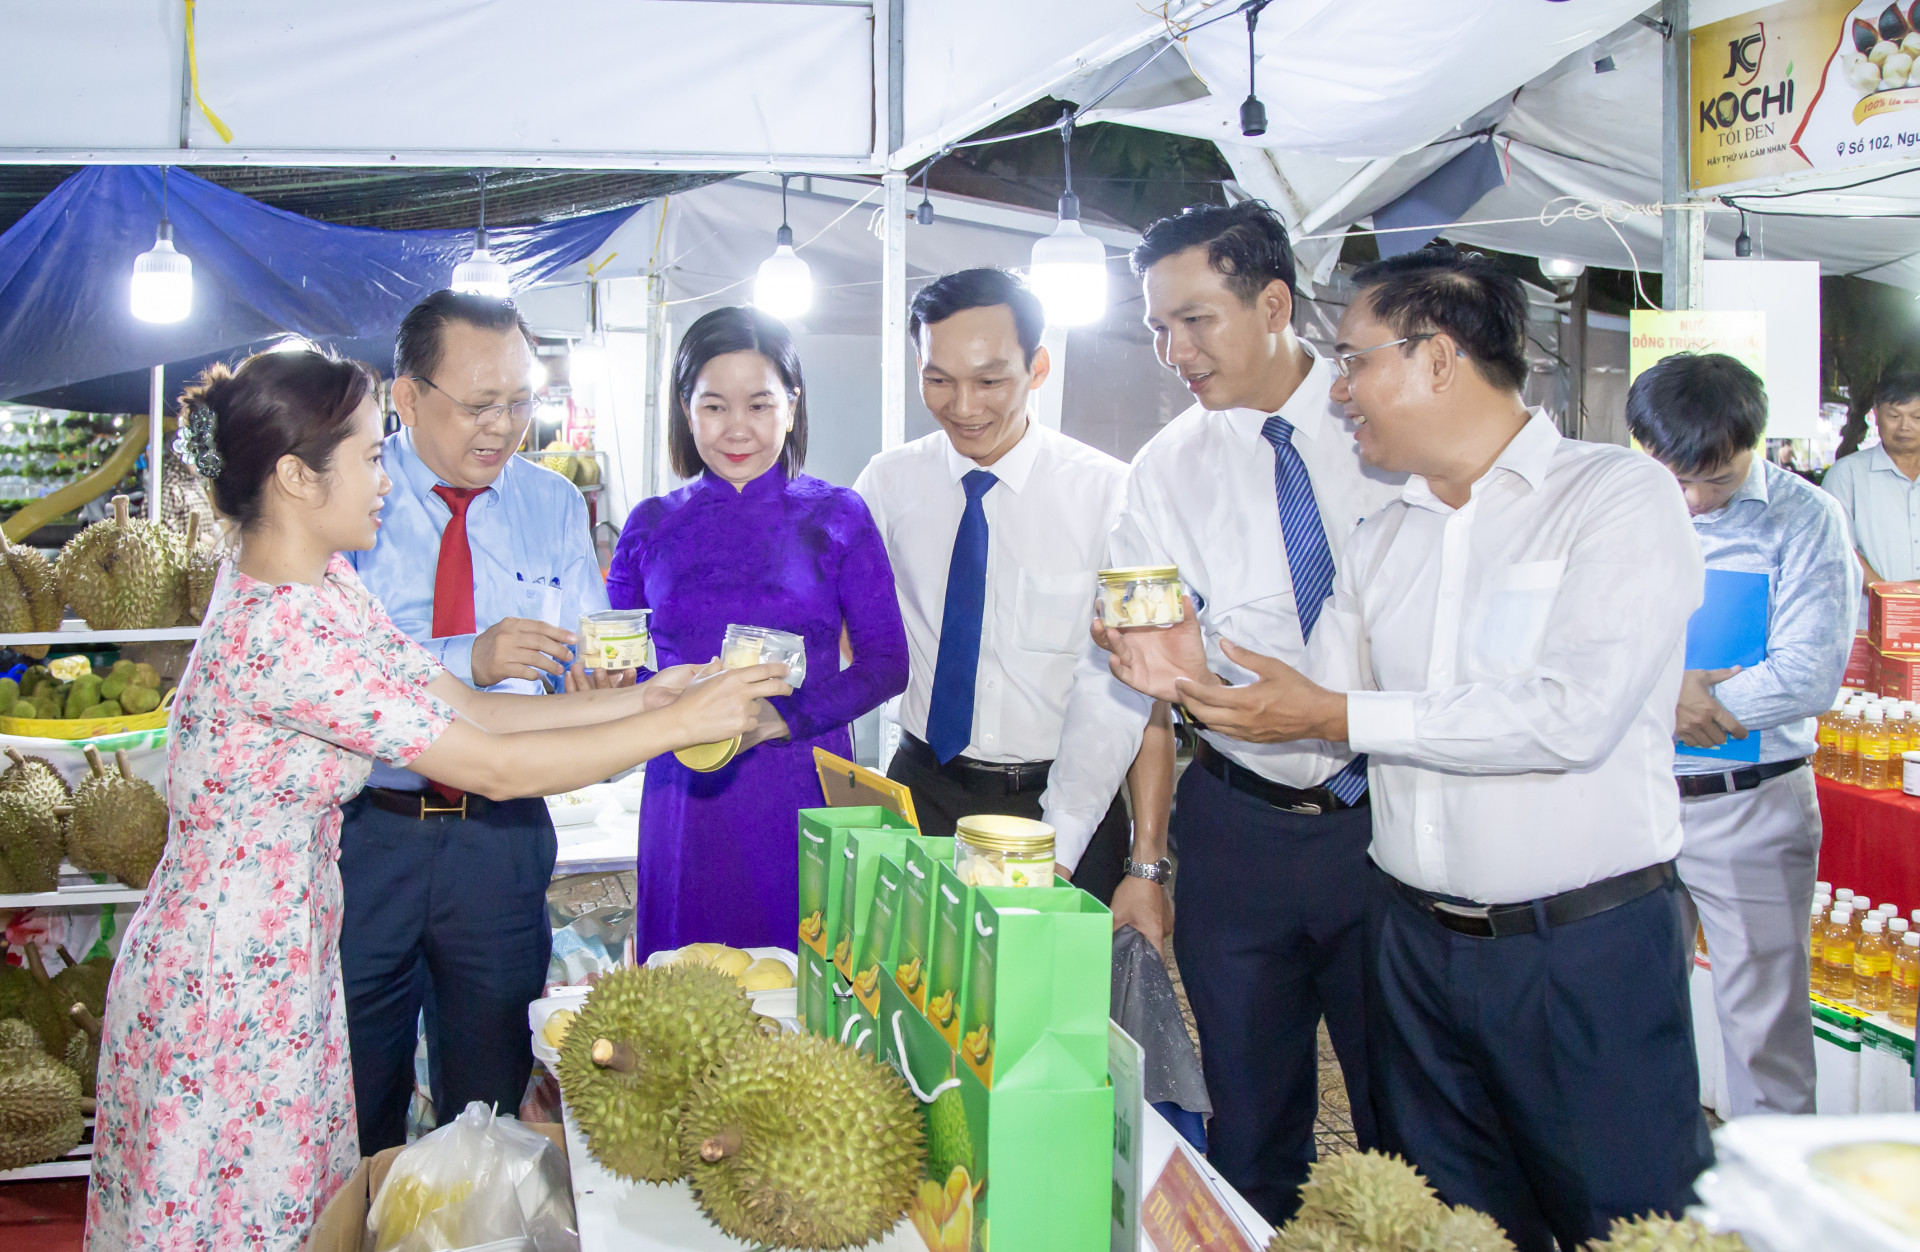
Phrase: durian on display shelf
(200,567)
(640,1042)
(119,822)
(30,599)
(42,1110)
(124,573)
(799,1141)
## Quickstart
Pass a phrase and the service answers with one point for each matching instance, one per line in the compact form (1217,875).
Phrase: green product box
(818,1012)
(823,837)
(1040,964)
(947,952)
(913,947)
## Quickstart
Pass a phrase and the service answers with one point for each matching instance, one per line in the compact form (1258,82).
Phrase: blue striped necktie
(950,707)
(1309,563)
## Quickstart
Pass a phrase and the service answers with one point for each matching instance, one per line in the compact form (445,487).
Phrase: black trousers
(1270,930)
(940,802)
(449,916)
(1548,1080)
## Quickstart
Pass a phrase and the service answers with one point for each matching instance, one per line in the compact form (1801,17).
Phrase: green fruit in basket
(119,823)
(122,573)
(144,675)
(49,707)
(800,1142)
(106,708)
(25,709)
(30,598)
(9,693)
(642,1039)
(139,700)
(41,1116)
(114,685)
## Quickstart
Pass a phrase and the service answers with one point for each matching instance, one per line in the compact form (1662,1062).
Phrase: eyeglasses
(1343,361)
(518,413)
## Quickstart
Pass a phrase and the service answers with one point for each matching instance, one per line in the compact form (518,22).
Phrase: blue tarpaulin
(66,324)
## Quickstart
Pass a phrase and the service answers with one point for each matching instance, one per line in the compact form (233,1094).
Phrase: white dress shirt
(1201,496)
(1512,669)
(1047,524)
(1883,508)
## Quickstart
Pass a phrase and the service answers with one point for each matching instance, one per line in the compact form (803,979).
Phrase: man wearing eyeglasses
(1252,493)
(485,558)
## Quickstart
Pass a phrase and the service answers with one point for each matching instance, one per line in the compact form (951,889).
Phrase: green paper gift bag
(947,953)
(1040,962)
(912,947)
(824,836)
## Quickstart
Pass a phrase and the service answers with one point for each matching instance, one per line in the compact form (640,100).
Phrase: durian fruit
(799,1141)
(29,842)
(15,1033)
(1461,1229)
(28,994)
(30,598)
(123,573)
(42,1113)
(82,988)
(1372,1202)
(200,567)
(119,823)
(1660,1234)
(641,1040)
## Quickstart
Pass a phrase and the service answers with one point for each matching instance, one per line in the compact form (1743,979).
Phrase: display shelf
(77,632)
(76,890)
(76,1164)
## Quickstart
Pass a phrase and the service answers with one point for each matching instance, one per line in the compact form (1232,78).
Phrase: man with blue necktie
(995,525)
(1252,494)
(486,560)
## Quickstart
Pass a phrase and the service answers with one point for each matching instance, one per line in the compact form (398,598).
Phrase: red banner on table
(1182,1214)
(1870,841)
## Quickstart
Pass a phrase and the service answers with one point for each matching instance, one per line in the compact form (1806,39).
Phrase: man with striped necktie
(1252,493)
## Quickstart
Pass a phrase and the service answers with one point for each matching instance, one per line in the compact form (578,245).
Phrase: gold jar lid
(1012,836)
(1139,573)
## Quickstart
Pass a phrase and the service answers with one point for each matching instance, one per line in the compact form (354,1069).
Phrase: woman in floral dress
(225,1115)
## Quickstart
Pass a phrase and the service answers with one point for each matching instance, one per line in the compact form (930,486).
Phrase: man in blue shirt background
(1752,832)
(445,894)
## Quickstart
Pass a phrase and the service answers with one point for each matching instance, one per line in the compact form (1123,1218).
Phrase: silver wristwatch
(1152,871)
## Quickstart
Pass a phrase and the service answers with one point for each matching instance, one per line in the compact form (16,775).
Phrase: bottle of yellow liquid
(1836,955)
(1846,746)
(1827,737)
(1872,967)
(1906,980)
(1859,907)
(1875,751)
(1816,945)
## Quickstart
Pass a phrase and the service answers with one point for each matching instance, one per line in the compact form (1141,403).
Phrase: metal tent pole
(1682,233)
(156,437)
(893,263)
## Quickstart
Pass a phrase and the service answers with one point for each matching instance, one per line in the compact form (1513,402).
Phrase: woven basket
(76,728)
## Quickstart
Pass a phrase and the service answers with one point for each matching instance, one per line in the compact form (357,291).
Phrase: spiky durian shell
(35,776)
(29,841)
(1461,1229)
(831,1144)
(1660,1234)
(1380,1200)
(15,1033)
(679,1020)
(40,1115)
(30,598)
(119,825)
(123,573)
(1312,1236)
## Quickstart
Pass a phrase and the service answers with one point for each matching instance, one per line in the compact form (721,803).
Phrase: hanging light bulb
(162,277)
(784,285)
(480,274)
(1069,270)
(1253,114)
(1561,267)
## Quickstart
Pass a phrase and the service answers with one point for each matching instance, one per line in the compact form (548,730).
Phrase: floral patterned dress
(226,1114)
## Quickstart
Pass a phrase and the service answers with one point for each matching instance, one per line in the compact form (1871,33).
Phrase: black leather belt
(1735,780)
(983,778)
(1498,921)
(1306,800)
(427,804)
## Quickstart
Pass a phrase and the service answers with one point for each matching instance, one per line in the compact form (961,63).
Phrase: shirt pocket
(1511,625)
(1053,612)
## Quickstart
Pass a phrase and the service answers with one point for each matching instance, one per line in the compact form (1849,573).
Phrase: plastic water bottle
(1872,967)
(1846,746)
(1875,750)
(1828,738)
(1817,945)
(1836,955)
(1906,980)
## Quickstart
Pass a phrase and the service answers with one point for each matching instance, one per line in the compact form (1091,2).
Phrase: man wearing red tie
(485,558)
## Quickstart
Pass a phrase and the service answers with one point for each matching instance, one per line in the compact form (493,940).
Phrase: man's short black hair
(1899,384)
(422,335)
(1246,244)
(1480,306)
(979,289)
(1696,411)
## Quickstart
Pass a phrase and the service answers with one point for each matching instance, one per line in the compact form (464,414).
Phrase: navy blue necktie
(1309,562)
(950,712)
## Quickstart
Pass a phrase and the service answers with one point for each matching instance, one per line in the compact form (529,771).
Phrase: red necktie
(453,577)
(453,584)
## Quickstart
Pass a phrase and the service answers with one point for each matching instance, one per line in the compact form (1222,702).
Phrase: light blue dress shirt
(1780,525)
(1883,508)
(532,557)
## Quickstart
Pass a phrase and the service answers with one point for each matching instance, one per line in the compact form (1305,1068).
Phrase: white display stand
(609,844)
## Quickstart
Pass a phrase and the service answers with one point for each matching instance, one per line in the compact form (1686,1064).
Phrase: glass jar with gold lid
(995,850)
(1140,595)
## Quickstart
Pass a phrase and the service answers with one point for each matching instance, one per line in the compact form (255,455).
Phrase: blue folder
(1729,628)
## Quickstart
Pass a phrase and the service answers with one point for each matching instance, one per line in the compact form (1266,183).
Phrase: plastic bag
(482,1182)
(1144,1006)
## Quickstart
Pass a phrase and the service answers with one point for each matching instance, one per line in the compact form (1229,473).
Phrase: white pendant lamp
(1069,270)
(784,285)
(162,278)
(1561,267)
(480,274)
